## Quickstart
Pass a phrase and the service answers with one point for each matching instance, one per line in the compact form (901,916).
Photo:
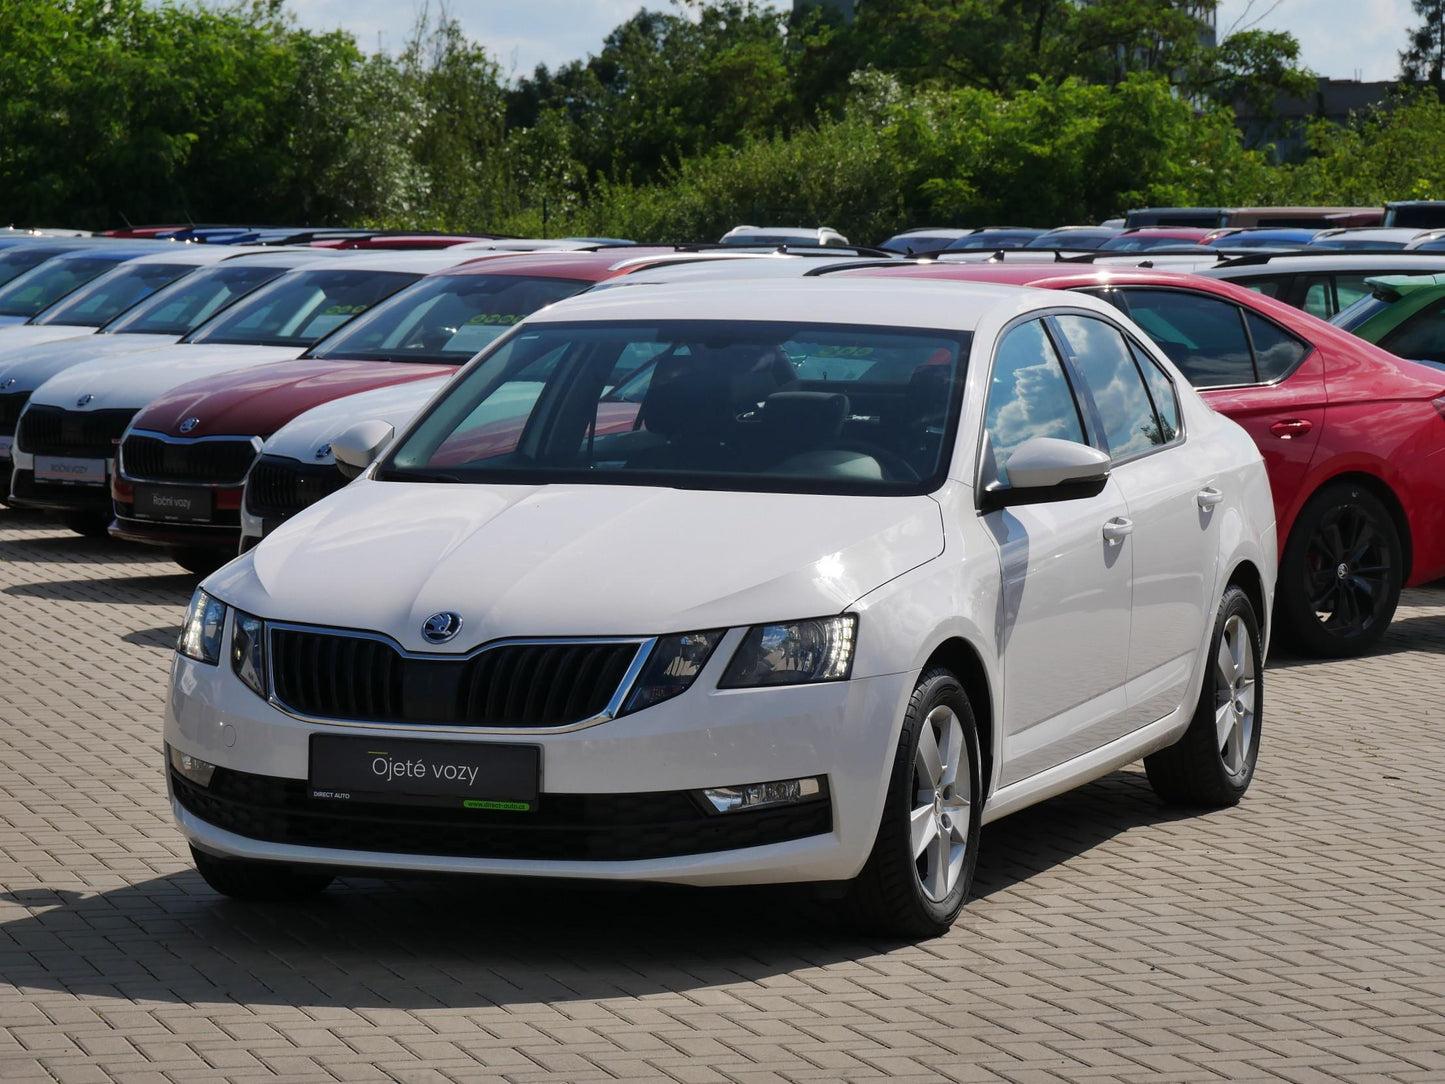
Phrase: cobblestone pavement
(1299,937)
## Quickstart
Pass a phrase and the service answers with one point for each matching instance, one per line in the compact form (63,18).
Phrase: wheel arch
(1246,576)
(963,660)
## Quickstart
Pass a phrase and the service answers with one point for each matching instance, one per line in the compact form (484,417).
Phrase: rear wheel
(261,882)
(918,876)
(1340,578)
(1213,763)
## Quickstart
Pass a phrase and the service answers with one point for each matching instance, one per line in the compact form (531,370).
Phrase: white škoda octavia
(717,585)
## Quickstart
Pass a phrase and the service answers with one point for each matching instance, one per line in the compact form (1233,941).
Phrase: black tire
(1203,768)
(258,882)
(1340,577)
(889,896)
(89,524)
(199,560)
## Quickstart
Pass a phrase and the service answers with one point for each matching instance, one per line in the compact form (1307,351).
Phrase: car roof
(941,305)
(1375,233)
(421,263)
(762,265)
(197,255)
(1302,261)
(590,265)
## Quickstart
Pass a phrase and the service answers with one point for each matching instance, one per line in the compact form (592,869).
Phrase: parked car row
(726,565)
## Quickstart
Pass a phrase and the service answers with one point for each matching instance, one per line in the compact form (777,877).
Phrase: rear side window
(1349,289)
(1028,395)
(1203,336)
(1276,351)
(1421,337)
(1268,287)
(1103,358)
(1162,391)
(1319,299)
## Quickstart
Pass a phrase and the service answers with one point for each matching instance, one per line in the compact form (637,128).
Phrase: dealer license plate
(470,775)
(80,472)
(181,504)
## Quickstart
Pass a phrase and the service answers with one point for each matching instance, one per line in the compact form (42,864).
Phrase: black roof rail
(853,265)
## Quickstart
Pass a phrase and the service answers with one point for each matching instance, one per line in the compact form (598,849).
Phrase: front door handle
(1208,497)
(1287,428)
(1118,529)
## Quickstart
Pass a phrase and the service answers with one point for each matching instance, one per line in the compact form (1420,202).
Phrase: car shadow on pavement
(160,588)
(468,942)
(163,637)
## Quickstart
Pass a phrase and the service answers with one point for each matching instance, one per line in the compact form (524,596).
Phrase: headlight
(201,634)
(674,663)
(248,651)
(793,653)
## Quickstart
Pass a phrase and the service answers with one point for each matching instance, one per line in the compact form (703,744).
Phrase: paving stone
(1297,937)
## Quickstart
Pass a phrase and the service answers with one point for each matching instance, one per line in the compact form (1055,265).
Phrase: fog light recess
(763,795)
(195,769)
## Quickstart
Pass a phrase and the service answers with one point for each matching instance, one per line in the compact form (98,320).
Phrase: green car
(1405,314)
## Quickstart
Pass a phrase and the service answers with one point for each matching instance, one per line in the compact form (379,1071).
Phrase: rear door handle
(1291,427)
(1208,497)
(1117,529)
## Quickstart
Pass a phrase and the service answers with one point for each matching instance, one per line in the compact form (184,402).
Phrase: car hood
(132,381)
(32,366)
(23,335)
(308,437)
(259,400)
(564,560)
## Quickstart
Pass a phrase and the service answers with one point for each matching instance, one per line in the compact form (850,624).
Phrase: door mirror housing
(1046,469)
(358,447)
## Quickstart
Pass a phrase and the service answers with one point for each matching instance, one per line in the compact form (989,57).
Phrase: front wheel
(918,876)
(1340,577)
(1213,763)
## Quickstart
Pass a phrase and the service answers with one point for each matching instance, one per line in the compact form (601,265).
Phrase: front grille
(215,462)
(278,488)
(564,827)
(52,430)
(331,676)
(11,404)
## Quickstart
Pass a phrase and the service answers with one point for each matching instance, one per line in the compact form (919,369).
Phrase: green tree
(1423,60)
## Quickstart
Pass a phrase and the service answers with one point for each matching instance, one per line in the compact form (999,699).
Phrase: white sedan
(714,585)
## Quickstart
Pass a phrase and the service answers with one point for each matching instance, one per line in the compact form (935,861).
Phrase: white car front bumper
(844,732)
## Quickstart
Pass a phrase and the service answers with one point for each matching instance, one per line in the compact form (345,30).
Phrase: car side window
(1203,336)
(1276,351)
(1268,287)
(1421,337)
(1162,391)
(1102,357)
(1350,288)
(1028,395)
(1317,300)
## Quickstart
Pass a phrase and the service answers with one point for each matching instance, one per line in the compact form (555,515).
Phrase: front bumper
(27,492)
(222,531)
(616,798)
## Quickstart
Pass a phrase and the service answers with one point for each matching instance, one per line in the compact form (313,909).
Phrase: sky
(1338,38)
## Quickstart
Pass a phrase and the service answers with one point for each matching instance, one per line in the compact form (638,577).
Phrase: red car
(1353,437)
(189,451)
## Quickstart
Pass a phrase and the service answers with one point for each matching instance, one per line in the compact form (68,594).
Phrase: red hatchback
(190,449)
(1353,437)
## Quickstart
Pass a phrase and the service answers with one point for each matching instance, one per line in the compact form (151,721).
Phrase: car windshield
(1135,243)
(45,285)
(15,261)
(999,239)
(1357,246)
(302,307)
(781,407)
(446,318)
(187,304)
(1363,310)
(112,293)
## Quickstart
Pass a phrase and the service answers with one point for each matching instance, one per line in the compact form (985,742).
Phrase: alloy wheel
(943,804)
(1234,696)
(1347,569)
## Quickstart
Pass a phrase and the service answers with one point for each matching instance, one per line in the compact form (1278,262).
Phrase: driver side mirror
(1046,469)
(357,448)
